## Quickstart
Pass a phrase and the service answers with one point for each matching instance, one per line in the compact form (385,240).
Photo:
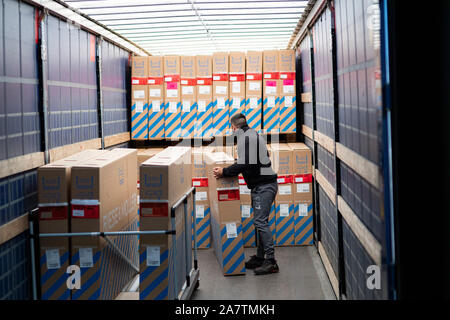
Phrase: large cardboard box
(172,97)
(303,224)
(221,109)
(139,98)
(165,178)
(188,96)
(104,198)
(302,158)
(237,83)
(244,191)
(54,208)
(156,110)
(248,227)
(204,124)
(287,92)
(281,158)
(271,92)
(284,211)
(253,89)
(226,225)
(145,154)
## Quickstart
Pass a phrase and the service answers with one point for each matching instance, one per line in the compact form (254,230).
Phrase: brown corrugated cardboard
(237,83)
(284,210)
(244,191)
(248,227)
(302,158)
(172,96)
(287,91)
(303,224)
(221,110)
(281,157)
(188,96)
(203,127)
(139,98)
(139,70)
(156,98)
(271,92)
(253,91)
(145,154)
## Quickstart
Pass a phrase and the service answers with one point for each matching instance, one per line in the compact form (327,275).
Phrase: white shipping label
(255,86)
(244,190)
(270,102)
(284,189)
(156,106)
(86,258)
(288,89)
(245,211)
(298,179)
(77,213)
(188,90)
(201,106)
(236,87)
(221,90)
(284,210)
(236,102)
(303,209)
(302,187)
(220,103)
(172,93)
(201,196)
(231,230)
(253,103)
(288,101)
(155,92)
(199,211)
(139,94)
(139,106)
(153,256)
(172,107)
(53,260)
(186,106)
(271,90)
(204,89)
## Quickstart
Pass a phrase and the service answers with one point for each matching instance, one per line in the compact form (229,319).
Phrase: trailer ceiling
(198,26)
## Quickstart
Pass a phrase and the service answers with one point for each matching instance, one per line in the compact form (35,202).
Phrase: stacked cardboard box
(271,92)
(226,225)
(188,96)
(139,98)
(104,198)
(303,193)
(204,124)
(248,227)
(165,178)
(281,157)
(156,111)
(287,91)
(172,97)
(237,83)
(221,110)
(253,89)
(54,217)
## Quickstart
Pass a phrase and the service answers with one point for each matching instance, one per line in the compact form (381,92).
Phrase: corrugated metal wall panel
(19,92)
(115,65)
(305,62)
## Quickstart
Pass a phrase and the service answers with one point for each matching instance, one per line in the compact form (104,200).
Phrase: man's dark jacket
(253,159)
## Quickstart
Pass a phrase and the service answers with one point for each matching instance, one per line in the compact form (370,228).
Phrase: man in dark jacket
(254,164)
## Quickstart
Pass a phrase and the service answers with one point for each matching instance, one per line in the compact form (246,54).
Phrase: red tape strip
(172,78)
(204,81)
(155,80)
(303,178)
(254,76)
(188,81)
(228,195)
(53,213)
(85,211)
(220,77)
(200,182)
(154,209)
(287,75)
(285,179)
(272,75)
(237,77)
(138,81)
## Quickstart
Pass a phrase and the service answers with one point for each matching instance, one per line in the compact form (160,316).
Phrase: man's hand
(218,172)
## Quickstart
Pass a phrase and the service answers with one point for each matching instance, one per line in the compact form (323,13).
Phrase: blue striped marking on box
(204,122)
(288,117)
(188,120)
(253,115)
(285,227)
(232,252)
(221,118)
(203,226)
(271,116)
(241,108)
(303,227)
(172,121)
(139,122)
(54,281)
(154,280)
(156,122)
(272,223)
(91,285)
(248,230)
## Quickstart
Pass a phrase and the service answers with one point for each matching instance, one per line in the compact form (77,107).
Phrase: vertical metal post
(186,237)
(99,90)
(43,82)
(174,255)
(195,229)
(33,262)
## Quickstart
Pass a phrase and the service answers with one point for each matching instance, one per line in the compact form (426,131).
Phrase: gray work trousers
(262,198)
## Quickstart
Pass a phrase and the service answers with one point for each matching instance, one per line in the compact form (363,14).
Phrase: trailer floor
(301,277)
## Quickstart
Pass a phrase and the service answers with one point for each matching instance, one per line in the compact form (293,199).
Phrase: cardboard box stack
(303,196)
(226,225)
(54,217)
(139,98)
(253,89)
(221,110)
(104,198)
(237,83)
(188,96)
(204,124)
(282,162)
(271,92)
(248,227)
(172,97)
(156,111)
(165,178)
(287,91)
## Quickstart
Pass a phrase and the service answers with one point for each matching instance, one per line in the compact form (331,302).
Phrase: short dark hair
(239,120)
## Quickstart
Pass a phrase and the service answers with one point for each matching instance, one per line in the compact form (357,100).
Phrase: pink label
(271,83)
(172,85)
(288,82)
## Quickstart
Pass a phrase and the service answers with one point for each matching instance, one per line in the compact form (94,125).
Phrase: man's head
(238,121)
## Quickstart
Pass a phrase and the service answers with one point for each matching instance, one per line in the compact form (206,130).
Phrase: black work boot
(254,262)
(269,266)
